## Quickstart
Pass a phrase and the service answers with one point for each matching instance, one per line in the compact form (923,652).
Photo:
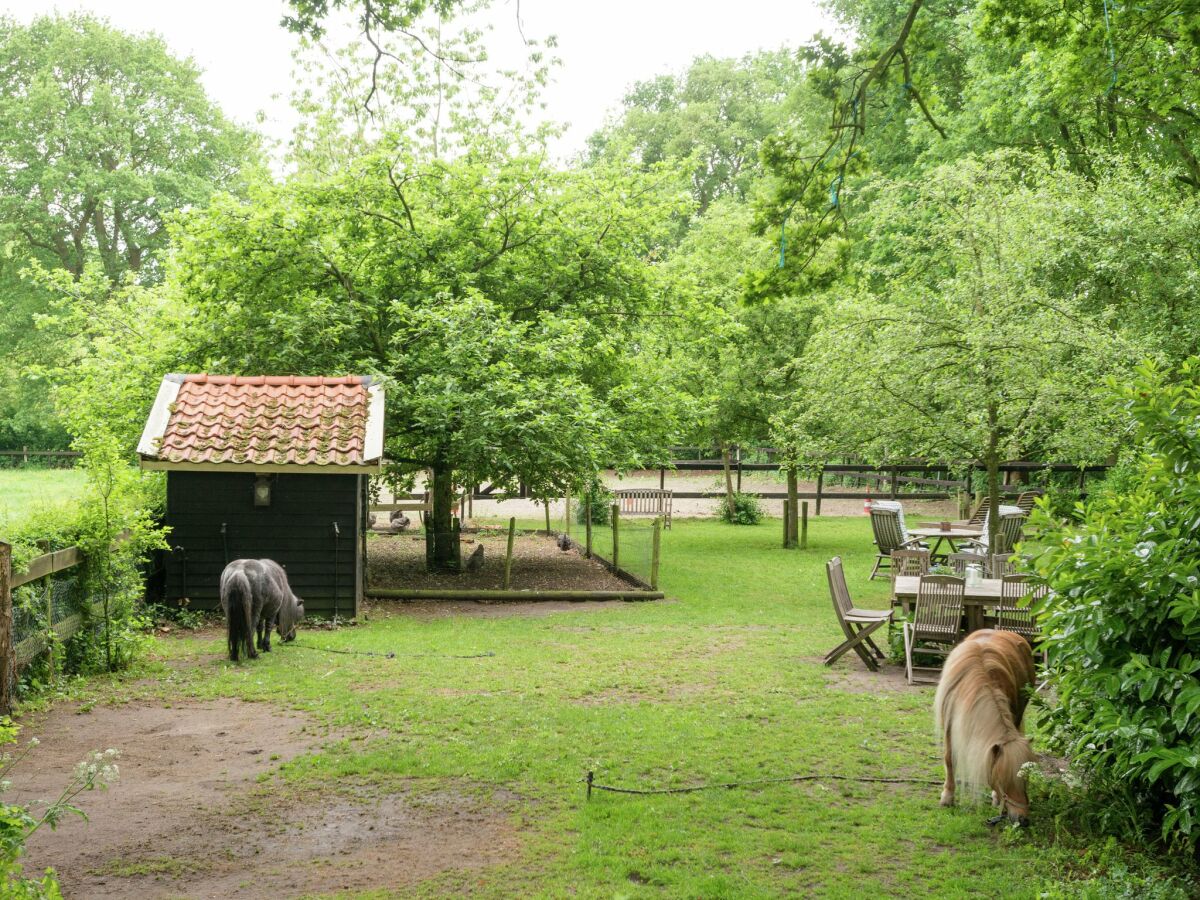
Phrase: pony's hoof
(947,798)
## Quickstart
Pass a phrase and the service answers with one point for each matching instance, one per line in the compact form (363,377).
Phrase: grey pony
(255,597)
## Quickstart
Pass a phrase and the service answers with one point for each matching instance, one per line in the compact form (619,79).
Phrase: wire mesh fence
(55,603)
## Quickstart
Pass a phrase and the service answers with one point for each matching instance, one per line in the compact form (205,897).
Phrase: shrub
(1123,622)
(741,509)
(596,503)
(114,526)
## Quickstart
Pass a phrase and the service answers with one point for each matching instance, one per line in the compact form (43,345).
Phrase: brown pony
(978,709)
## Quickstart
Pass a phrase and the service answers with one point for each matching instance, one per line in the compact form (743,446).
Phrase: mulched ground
(398,561)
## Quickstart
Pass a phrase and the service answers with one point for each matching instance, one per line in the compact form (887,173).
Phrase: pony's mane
(979,692)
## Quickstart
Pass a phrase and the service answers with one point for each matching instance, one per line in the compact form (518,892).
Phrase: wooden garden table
(957,532)
(975,599)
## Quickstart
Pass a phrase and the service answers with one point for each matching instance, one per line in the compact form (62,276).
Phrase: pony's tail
(239,611)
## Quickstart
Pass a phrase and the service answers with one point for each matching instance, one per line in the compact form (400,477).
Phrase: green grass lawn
(723,683)
(27,491)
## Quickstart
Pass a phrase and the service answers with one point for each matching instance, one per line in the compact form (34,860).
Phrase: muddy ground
(188,817)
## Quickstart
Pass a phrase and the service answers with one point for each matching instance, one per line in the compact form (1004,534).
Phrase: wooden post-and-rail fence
(53,457)
(14,655)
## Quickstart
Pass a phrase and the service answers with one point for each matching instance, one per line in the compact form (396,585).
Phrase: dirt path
(188,817)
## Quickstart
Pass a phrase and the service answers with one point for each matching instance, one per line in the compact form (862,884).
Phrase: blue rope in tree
(1112,53)
(835,186)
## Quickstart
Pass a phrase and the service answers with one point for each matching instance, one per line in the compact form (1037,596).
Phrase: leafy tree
(951,345)
(103,135)
(308,16)
(1114,75)
(926,83)
(713,117)
(732,358)
(501,298)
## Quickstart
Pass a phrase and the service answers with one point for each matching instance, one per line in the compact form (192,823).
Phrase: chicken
(475,560)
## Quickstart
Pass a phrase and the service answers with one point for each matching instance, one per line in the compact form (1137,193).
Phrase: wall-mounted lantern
(262,490)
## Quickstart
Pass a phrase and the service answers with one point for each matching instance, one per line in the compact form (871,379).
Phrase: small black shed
(266,467)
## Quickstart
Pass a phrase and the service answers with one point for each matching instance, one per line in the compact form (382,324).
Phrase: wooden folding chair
(909,562)
(890,535)
(1026,500)
(1011,615)
(1008,534)
(857,624)
(1001,564)
(937,619)
(958,562)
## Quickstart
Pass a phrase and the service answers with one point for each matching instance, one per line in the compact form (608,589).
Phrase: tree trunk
(993,492)
(728,478)
(992,461)
(445,553)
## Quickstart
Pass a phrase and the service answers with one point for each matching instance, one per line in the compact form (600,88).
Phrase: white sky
(605,45)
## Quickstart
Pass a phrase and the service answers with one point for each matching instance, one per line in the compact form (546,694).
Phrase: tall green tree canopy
(103,136)
(714,116)
(953,343)
(504,300)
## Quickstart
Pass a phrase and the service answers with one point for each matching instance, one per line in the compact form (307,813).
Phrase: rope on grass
(589,780)
(391,654)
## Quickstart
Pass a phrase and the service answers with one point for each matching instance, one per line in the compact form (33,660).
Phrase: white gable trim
(373,444)
(160,415)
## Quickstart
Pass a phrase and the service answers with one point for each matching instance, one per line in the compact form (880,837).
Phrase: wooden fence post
(820,485)
(616,527)
(804,525)
(656,551)
(512,531)
(588,526)
(567,511)
(786,529)
(8,664)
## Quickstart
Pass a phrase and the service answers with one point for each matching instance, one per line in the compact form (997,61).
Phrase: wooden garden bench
(645,502)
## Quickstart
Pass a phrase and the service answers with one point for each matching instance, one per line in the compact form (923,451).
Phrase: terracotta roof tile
(268,420)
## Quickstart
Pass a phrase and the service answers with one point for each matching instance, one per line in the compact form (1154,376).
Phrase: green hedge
(1123,623)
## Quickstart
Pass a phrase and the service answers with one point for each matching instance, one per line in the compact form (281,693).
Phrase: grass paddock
(27,491)
(723,682)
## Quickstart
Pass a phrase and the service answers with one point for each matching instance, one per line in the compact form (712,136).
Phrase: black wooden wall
(296,531)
